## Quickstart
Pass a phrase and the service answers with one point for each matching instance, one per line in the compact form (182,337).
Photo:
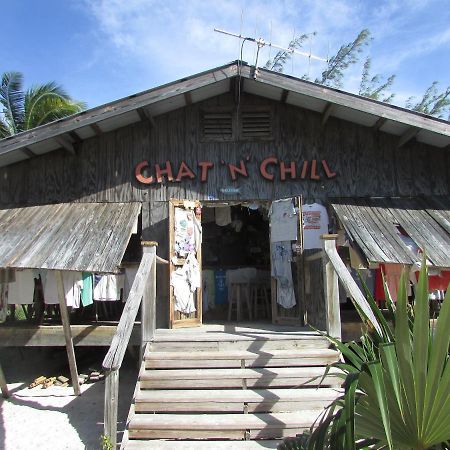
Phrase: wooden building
(71,191)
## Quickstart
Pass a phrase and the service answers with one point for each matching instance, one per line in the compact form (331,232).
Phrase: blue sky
(102,50)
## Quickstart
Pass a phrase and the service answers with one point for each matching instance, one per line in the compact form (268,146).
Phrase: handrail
(331,255)
(114,357)
(144,287)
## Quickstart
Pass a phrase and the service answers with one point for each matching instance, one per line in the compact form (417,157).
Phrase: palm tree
(41,104)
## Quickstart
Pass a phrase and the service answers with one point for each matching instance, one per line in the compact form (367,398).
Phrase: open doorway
(236,262)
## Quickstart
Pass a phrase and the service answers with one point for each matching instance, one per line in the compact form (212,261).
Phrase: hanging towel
(108,288)
(72,284)
(87,293)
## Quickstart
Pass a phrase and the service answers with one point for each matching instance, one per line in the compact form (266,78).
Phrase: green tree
(376,86)
(38,105)
(433,102)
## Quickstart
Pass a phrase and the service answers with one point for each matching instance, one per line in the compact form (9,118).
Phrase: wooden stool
(238,293)
(260,299)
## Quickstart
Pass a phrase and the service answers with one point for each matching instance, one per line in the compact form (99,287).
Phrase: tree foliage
(38,105)
(347,55)
(434,101)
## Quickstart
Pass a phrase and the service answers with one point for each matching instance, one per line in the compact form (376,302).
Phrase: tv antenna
(260,43)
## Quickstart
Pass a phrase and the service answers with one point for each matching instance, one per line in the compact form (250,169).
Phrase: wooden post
(67,333)
(331,287)
(3,385)
(111,405)
(148,309)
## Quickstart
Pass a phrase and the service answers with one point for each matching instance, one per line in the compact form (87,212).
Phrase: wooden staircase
(242,388)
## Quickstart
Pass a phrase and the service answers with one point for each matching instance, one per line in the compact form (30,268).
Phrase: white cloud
(167,40)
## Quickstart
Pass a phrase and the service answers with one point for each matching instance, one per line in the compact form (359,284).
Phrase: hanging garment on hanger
(282,271)
(283,221)
(315,223)
(184,232)
(21,291)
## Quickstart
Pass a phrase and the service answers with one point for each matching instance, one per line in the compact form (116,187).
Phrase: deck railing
(143,290)
(334,270)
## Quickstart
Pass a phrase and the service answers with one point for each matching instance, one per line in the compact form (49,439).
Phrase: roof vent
(217,126)
(256,124)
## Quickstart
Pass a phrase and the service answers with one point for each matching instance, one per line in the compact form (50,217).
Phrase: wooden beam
(97,130)
(407,136)
(67,333)
(28,152)
(3,385)
(188,98)
(66,144)
(284,96)
(327,112)
(148,308)
(145,116)
(75,137)
(111,405)
(331,285)
(379,123)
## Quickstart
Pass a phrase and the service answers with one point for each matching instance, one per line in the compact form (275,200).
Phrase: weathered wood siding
(367,162)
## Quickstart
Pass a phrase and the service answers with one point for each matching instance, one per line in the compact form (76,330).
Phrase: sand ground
(53,418)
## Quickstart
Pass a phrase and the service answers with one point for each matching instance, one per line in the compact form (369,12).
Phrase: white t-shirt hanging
(108,288)
(283,221)
(72,282)
(315,223)
(21,291)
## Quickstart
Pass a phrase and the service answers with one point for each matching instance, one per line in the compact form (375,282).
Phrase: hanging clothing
(208,215)
(21,291)
(283,221)
(282,271)
(184,232)
(223,215)
(185,281)
(3,302)
(87,292)
(315,223)
(108,288)
(72,285)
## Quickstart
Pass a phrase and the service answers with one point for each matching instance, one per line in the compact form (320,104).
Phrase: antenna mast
(260,42)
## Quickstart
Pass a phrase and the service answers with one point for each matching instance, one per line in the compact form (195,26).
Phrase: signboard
(270,168)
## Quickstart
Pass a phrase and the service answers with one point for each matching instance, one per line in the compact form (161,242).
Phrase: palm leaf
(12,100)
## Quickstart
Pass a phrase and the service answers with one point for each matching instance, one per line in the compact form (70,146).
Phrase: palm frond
(12,100)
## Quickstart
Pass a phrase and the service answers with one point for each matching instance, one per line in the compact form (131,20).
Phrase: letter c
(138,173)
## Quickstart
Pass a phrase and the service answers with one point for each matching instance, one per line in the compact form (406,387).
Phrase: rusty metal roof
(89,237)
(373,223)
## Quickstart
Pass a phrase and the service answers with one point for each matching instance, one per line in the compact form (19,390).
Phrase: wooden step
(234,400)
(243,339)
(215,426)
(242,358)
(202,445)
(235,378)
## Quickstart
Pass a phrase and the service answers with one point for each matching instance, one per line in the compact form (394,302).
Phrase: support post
(3,385)
(331,287)
(148,309)
(111,406)
(67,333)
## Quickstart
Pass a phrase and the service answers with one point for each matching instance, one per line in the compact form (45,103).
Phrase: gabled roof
(146,105)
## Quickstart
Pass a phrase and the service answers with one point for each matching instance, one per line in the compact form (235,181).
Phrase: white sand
(53,418)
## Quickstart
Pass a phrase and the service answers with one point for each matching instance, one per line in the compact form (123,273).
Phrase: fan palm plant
(397,383)
(24,110)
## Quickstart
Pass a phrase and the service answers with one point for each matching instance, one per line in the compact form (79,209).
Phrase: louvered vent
(256,124)
(217,126)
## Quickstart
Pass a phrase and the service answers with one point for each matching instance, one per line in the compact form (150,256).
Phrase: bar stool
(260,298)
(240,292)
